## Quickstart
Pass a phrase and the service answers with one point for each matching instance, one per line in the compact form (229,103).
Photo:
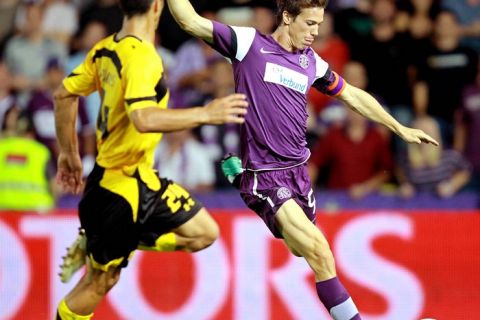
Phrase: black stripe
(127,36)
(58,316)
(233,39)
(161,89)
(130,101)
(73,74)
(112,55)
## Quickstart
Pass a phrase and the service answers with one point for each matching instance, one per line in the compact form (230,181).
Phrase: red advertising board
(396,265)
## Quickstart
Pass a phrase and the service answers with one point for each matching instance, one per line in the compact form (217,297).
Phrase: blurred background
(402,220)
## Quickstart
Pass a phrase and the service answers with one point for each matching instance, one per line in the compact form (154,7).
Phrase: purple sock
(337,300)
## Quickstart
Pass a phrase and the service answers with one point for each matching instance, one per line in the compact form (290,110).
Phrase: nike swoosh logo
(265,51)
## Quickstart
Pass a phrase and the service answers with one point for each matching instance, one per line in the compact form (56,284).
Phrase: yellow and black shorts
(119,212)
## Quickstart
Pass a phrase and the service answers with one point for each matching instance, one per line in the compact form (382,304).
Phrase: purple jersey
(276,82)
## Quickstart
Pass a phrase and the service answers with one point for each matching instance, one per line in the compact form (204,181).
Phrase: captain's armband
(330,84)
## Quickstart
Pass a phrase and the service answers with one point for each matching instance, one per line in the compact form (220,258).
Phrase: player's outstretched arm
(230,109)
(366,105)
(190,21)
(69,168)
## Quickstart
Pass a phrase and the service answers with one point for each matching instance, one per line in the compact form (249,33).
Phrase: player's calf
(202,241)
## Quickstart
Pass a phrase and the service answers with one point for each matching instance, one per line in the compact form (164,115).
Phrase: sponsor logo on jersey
(286,77)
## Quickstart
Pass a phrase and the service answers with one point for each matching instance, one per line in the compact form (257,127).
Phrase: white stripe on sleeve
(245,36)
(321,66)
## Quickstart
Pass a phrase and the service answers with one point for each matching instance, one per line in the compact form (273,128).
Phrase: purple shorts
(264,192)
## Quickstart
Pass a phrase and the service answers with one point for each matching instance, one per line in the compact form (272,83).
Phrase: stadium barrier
(396,265)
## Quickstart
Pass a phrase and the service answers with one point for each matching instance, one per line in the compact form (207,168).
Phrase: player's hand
(69,172)
(411,135)
(230,109)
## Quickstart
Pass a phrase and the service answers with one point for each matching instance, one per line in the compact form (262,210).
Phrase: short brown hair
(294,7)
(135,7)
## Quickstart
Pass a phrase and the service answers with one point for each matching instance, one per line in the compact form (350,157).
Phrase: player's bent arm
(230,109)
(190,21)
(366,105)
(66,106)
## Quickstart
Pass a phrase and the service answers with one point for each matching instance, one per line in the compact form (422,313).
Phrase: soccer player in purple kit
(275,72)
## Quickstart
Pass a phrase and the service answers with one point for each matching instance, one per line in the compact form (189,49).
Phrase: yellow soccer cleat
(75,258)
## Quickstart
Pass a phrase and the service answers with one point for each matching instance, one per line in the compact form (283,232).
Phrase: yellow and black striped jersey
(128,74)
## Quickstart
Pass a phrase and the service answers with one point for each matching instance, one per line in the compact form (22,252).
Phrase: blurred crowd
(419,58)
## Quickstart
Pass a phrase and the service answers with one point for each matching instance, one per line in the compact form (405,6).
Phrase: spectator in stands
(357,155)
(263,19)
(445,69)
(81,4)
(189,79)
(93,32)
(41,109)
(416,17)
(7,17)
(182,158)
(8,108)
(60,20)
(353,24)
(415,20)
(28,53)
(468,14)
(467,129)
(437,170)
(388,57)
(190,76)
(26,182)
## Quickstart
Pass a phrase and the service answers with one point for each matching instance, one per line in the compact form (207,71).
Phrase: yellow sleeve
(82,80)
(144,83)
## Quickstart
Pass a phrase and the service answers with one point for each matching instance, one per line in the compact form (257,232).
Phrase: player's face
(304,28)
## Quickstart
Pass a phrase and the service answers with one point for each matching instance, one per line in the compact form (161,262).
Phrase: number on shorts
(173,195)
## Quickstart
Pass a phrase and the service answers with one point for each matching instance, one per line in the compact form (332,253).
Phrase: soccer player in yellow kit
(125,205)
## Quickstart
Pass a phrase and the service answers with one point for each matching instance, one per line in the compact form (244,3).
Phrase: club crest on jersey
(284,193)
(303,61)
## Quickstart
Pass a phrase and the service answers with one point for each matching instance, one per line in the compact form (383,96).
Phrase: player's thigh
(202,224)
(299,232)
(109,226)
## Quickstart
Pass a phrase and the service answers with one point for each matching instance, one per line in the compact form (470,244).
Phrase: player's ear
(286,17)
(157,5)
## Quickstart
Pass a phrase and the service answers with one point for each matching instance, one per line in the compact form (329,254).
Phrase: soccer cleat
(232,168)
(75,258)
